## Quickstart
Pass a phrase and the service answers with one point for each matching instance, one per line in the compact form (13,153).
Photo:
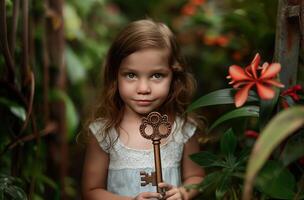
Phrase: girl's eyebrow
(157,69)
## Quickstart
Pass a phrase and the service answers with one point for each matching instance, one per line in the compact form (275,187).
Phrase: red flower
(189,10)
(223,41)
(220,40)
(251,134)
(197,2)
(292,92)
(254,75)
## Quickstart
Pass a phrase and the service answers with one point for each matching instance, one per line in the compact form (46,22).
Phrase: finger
(165,185)
(176,196)
(172,192)
(151,195)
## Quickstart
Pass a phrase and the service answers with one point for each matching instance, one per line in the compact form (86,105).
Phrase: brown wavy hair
(136,36)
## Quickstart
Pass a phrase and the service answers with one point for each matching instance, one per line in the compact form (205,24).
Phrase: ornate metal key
(159,123)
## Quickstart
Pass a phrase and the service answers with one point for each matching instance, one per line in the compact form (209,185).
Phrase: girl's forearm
(189,194)
(99,194)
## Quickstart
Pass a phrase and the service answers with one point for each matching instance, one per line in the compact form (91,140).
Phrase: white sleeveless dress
(126,163)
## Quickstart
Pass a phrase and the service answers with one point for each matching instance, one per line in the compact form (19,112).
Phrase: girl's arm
(95,172)
(192,173)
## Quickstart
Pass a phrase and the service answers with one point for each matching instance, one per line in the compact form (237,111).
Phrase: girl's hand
(148,196)
(172,192)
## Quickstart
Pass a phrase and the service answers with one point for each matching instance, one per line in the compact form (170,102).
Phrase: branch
(49,129)
(12,36)
(4,44)
(25,44)
(30,103)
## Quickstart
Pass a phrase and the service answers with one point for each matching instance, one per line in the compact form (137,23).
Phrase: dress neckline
(162,145)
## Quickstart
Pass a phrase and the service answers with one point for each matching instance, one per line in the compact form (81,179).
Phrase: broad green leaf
(276,181)
(246,111)
(293,149)
(15,108)
(223,96)
(75,68)
(206,159)
(70,111)
(85,7)
(72,22)
(228,142)
(266,109)
(279,128)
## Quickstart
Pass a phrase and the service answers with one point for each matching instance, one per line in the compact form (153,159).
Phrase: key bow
(155,120)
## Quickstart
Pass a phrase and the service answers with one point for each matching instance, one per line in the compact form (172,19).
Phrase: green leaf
(72,23)
(210,181)
(16,192)
(9,186)
(206,159)
(223,185)
(37,197)
(279,128)
(293,149)
(228,142)
(8,180)
(15,108)
(266,109)
(75,68)
(70,111)
(246,111)
(276,181)
(48,181)
(223,96)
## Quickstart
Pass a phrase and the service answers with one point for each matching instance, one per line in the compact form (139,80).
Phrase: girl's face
(144,80)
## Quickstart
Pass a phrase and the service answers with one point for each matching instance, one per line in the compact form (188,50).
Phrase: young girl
(143,73)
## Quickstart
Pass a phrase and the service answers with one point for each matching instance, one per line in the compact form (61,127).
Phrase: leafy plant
(225,168)
(10,187)
(274,118)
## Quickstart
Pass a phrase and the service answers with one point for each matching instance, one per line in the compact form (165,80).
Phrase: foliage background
(213,34)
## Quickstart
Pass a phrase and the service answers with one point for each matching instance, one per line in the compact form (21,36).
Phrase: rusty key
(156,121)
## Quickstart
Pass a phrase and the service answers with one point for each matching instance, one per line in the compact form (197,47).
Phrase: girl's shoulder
(184,129)
(105,138)
(96,125)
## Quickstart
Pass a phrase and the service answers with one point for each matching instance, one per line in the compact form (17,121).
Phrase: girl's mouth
(143,102)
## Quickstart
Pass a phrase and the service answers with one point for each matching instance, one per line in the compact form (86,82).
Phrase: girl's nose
(143,87)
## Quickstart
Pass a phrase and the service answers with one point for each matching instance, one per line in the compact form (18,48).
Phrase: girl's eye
(130,75)
(157,76)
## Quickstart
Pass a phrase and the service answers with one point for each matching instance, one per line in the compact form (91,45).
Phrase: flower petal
(255,64)
(274,83)
(271,71)
(242,95)
(264,67)
(237,73)
(265,92)
(251,134)
(241,83)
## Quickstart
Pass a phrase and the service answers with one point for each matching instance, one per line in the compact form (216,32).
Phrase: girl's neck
(132,117)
